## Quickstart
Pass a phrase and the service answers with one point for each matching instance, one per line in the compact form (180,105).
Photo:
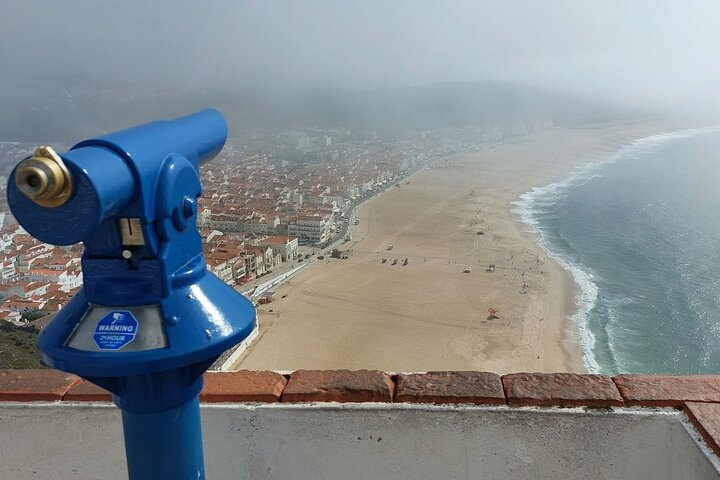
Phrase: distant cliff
(73,108)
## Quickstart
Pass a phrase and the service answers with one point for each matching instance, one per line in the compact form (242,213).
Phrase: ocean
(640,233)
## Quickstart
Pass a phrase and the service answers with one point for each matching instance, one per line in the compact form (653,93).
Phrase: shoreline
(573,333)
(361,313)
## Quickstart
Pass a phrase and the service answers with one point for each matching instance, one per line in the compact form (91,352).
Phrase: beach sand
(429,315)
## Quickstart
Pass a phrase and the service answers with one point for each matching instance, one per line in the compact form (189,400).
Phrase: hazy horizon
(659,55)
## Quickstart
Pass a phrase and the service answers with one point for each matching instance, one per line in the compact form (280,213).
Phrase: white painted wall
(370,441)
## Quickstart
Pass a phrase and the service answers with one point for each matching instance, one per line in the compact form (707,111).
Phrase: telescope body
(149,319)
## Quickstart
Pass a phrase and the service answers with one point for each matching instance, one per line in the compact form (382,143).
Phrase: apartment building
(309,229)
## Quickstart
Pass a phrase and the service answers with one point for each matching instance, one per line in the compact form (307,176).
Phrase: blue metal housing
(150,173)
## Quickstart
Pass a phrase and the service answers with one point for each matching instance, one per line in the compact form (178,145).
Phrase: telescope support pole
(165,445)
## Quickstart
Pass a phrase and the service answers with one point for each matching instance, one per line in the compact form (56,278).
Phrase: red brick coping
(697,395)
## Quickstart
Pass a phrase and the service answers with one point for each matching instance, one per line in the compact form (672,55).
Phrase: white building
(287,247)
(307,229)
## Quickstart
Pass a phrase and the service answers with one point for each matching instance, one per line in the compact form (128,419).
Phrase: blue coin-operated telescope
(150,318)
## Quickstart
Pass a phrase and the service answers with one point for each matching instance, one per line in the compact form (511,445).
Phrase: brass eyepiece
(44,178)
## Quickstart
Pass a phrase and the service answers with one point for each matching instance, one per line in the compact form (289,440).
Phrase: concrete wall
(238,350)
(347,441)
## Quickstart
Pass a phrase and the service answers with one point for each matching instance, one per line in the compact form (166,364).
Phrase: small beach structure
(267,297)
(341,254)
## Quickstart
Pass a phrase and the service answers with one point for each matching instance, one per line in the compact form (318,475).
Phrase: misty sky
(660,53)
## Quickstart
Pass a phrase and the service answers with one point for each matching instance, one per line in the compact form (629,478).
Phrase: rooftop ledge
(365,424)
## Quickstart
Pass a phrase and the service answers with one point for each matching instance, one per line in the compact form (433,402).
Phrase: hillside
(17,347)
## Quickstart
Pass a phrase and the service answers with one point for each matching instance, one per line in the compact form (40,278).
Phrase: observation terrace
(369,424)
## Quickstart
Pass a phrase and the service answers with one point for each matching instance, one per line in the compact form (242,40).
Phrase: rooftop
(370,424)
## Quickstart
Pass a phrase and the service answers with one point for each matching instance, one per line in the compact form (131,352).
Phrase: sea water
(640,233)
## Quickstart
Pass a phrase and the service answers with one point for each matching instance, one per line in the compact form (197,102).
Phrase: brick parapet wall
(697,395)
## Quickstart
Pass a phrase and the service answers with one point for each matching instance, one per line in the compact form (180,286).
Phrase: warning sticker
(115,330)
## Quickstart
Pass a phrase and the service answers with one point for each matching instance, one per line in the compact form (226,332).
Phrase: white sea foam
(533,207)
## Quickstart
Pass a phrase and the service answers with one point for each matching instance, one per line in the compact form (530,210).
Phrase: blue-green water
(640,233)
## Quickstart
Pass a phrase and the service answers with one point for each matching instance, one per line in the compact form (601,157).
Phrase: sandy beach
(429,315)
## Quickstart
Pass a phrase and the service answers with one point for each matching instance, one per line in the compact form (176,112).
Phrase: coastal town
(270,202)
